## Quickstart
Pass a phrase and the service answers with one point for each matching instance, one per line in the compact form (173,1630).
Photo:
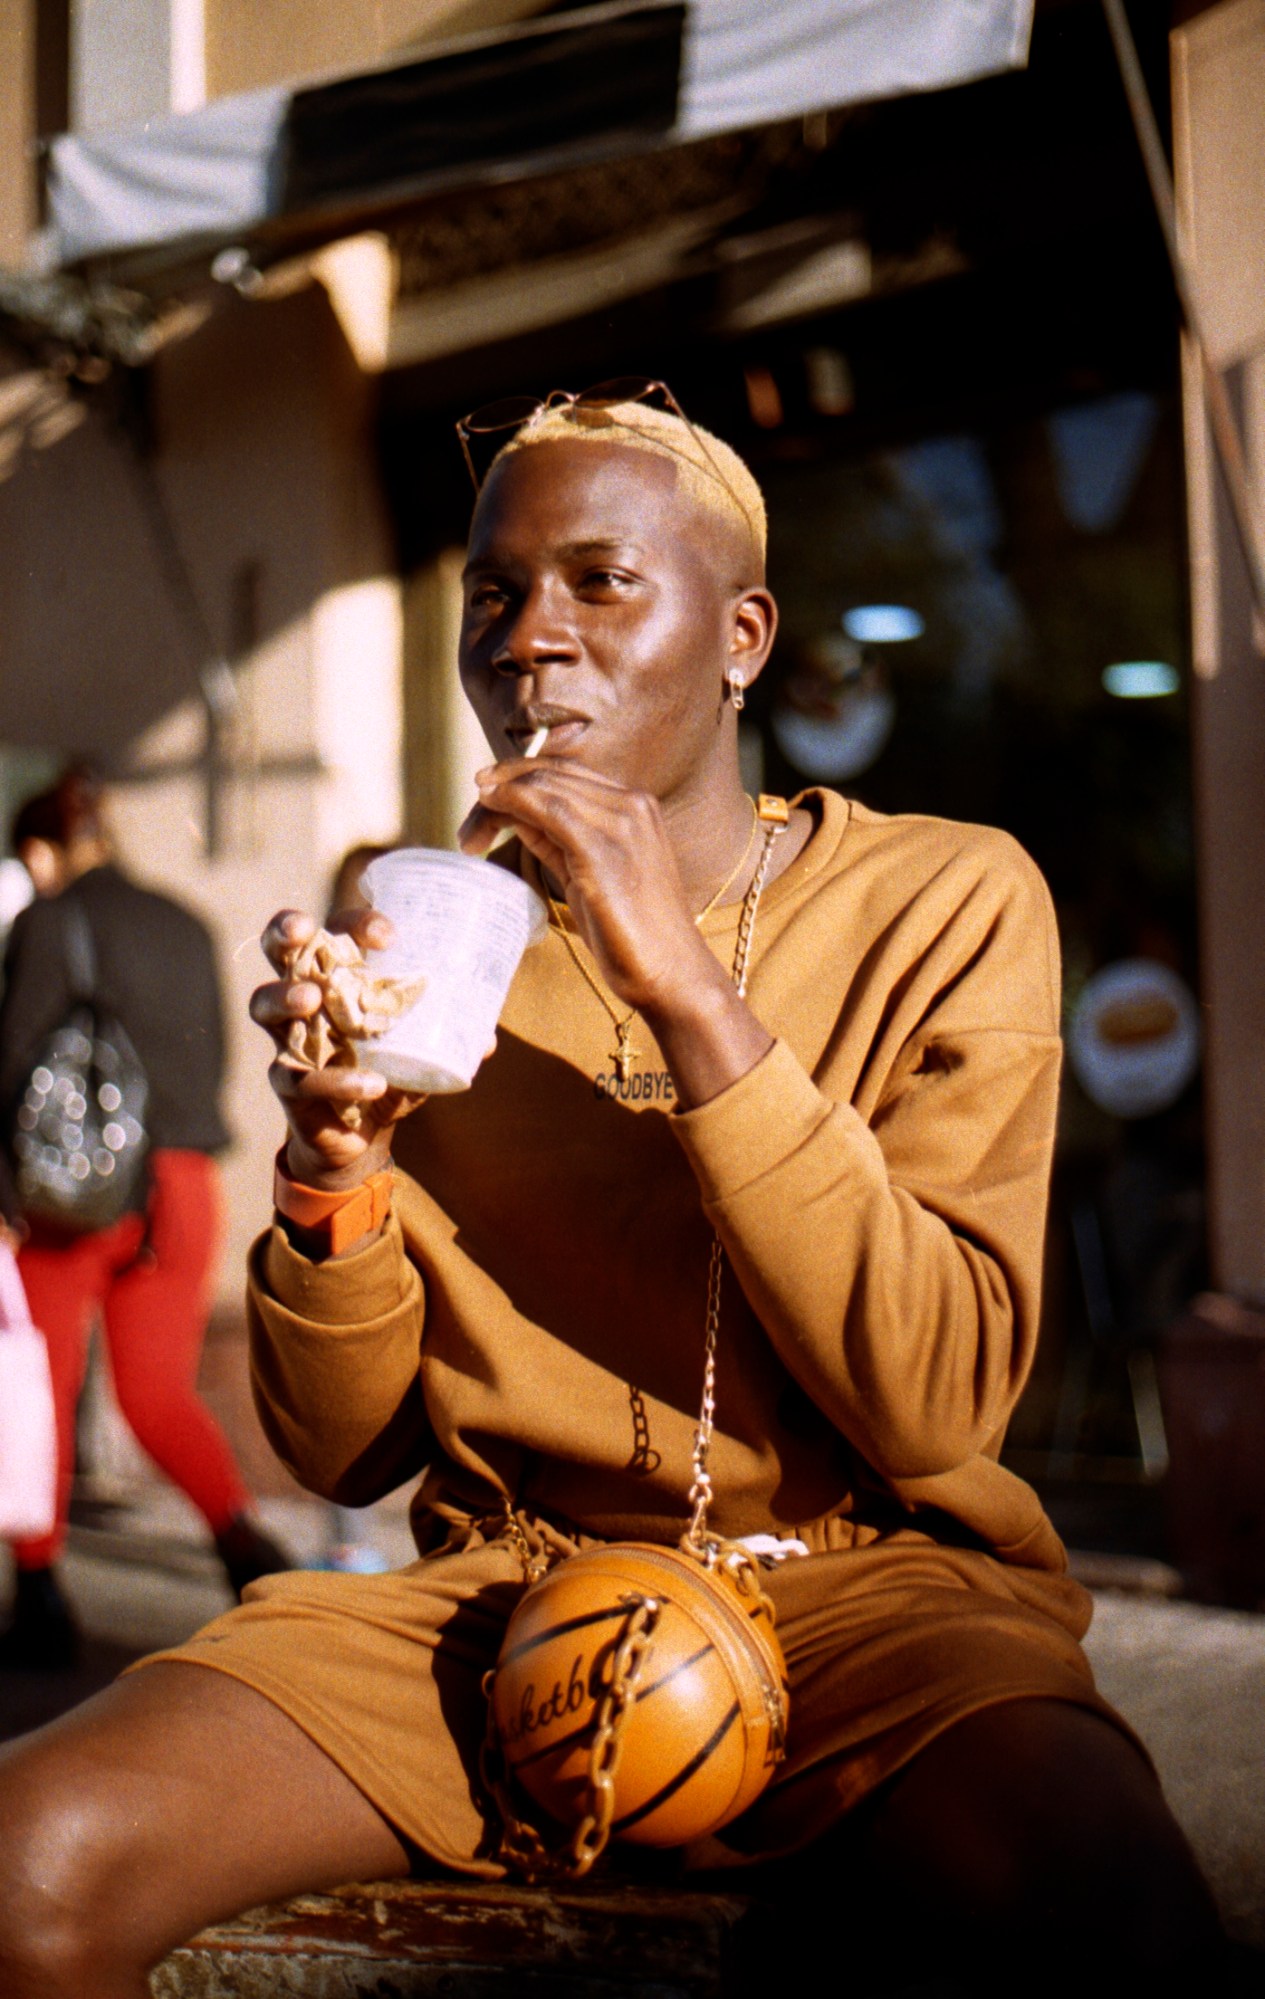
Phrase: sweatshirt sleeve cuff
(341,1291)
(753,1126)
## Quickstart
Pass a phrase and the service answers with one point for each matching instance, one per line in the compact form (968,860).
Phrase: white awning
(596,84)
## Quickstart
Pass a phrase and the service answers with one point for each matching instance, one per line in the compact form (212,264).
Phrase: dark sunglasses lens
(623,389)
(504,415)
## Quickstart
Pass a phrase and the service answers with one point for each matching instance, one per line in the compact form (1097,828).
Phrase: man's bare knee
(176,1797)
(64,1865)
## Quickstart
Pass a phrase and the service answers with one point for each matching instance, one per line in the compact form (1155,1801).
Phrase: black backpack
(78,1133)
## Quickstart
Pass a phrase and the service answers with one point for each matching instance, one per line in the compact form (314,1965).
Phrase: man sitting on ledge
(869,1135)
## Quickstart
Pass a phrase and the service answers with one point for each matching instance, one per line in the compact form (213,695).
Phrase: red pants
(149,1278)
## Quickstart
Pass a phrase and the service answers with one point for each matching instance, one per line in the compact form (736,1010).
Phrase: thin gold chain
(734,873)
(623,1055)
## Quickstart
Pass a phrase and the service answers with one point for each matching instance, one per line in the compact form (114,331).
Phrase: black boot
(42,1637)
(248,1553)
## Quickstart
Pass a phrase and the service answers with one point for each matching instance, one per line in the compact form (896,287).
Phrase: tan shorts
(886,1646)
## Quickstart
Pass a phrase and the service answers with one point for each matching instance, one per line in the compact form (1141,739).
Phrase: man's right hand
(325,1149)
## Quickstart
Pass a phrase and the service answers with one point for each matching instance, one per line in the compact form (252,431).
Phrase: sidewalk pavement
(145,1575)
(1190,1679)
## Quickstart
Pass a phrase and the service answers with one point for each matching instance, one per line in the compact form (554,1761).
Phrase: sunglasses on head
(512,412)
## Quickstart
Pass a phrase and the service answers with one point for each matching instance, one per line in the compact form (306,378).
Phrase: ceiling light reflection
(1140,679)
(883,624)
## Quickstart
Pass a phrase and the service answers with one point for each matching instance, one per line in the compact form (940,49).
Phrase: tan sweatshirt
(531,1323)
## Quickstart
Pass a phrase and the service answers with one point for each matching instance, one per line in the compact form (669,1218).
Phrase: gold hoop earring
(737,689)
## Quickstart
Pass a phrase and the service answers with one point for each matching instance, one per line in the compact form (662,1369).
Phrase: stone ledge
(464,1940)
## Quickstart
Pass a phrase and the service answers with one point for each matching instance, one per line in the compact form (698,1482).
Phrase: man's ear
(752,631)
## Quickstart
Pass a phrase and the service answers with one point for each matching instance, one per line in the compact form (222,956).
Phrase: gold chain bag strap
(640,1692)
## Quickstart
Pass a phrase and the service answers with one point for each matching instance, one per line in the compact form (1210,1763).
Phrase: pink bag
(28,1435)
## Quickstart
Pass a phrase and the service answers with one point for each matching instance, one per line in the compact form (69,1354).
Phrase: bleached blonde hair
(708,469)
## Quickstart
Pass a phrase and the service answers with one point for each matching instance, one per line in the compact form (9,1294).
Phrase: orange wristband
(341,1217)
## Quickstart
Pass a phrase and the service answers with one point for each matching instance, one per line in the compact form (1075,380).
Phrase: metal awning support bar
(1225,433)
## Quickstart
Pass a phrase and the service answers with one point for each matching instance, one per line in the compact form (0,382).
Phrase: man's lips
(565,725)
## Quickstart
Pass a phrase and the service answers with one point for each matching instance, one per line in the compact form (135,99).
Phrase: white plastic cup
(462,925)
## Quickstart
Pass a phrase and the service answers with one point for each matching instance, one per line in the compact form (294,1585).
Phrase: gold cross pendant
(624,1054)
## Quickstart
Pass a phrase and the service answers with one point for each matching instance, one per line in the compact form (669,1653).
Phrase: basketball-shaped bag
(640,1694)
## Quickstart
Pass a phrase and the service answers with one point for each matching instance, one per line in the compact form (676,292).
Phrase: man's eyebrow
(567,551)
(601,545)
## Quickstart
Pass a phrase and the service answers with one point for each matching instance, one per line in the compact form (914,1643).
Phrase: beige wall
(265,457)
(17,127)
(443,743)
(1219,145)
(120,62)
(254,42)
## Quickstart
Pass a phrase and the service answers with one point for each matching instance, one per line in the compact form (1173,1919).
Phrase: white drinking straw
(534,747)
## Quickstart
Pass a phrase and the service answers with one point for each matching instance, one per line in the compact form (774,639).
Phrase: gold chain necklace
(700,1495)
(732,877)
(623,1055)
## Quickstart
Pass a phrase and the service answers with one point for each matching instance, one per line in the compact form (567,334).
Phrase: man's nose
(538,635)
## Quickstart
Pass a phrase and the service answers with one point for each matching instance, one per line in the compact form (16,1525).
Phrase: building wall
(17,127)
(254,42)
(443,743)
(89,65)
(120,63)
(263,453)
(1219,136)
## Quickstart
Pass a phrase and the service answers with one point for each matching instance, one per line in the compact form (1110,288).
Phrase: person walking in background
(149,1273)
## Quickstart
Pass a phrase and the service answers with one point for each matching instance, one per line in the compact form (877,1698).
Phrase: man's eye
(488,596)
(605,579)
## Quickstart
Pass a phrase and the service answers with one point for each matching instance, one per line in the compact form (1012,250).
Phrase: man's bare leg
(176,1798)
(1026,1852)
